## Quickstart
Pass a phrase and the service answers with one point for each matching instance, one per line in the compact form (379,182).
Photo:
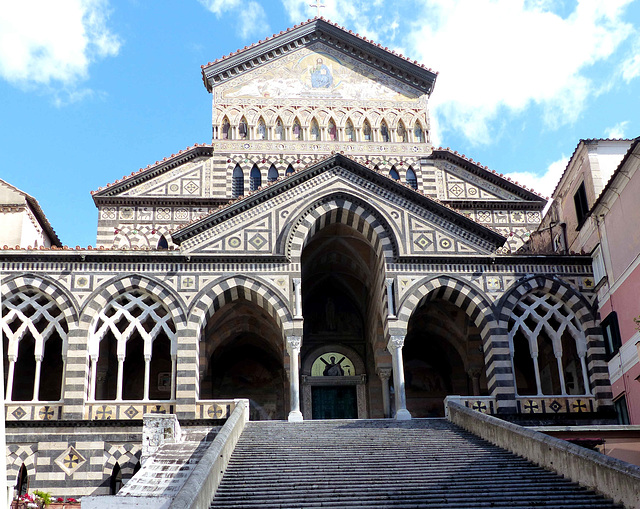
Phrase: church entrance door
(334,402)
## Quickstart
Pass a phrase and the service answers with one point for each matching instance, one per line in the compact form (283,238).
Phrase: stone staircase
(382,463)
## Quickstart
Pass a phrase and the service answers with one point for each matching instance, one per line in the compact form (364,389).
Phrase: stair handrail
(613,478)
(199,489)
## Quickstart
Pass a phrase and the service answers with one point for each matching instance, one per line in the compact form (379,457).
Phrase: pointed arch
(401,132)
(278,129)
(314,130)
(255,178)
(273,174)
(225,128)
(332,130)
(261,129)
(385,137)
(290,170)
(163,243)
(411,178)
(296,130)
(366,131)
(243,128)
(237,182)
(418,132)
(393,173)
(349,131)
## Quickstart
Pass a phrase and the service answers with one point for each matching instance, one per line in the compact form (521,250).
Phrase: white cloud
(251,16)
(617,131)
(53,43)
(543,184)
(502,56)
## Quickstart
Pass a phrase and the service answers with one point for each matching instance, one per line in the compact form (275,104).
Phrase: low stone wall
(611,477)
(198,491)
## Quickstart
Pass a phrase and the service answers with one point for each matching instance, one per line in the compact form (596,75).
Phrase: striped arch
(581,309)
(126,455)
(218,293)
(468,298)
(17,455)
(117,286)
(63,299)
(344,209)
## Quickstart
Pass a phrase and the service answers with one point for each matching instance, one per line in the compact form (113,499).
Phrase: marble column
(474,375)
(174,370)
(385,374)
(293,347)
(36,380)
(120,376)
(12,367)
(391,304)
(94,378)
(395,347)
(297,294)
(147,374)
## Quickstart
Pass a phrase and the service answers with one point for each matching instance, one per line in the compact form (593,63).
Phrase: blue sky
(91,90)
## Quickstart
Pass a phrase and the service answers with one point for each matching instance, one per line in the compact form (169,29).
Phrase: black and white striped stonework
(424,463)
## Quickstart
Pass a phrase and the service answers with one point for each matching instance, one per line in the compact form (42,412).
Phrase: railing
(482,404)
(555,404)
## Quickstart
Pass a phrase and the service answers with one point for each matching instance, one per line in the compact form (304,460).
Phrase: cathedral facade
(320,257)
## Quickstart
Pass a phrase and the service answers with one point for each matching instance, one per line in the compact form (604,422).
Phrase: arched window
(394,174)
(366,131)
(418,133)
(163,243)
(296,130)
(411,178)
(137,324)
(314,130)
(272,176)
(255,178)
(349,131)
(384,132)
(549,346)
(237,182)
(22,486)
(290,170)
(115,482)
(261,129)
(35,332)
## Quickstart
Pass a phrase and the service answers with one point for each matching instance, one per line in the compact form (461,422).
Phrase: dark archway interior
(51,370)
(442,356)
(24,370)
(243,357)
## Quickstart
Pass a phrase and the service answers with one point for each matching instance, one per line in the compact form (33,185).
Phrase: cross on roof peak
(318,5)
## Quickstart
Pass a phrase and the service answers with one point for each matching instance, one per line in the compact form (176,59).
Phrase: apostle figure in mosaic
(296,130)
(366,130)
(417,132)
(279,130)
(315,131)
(402,132)
(225,128)
(242,128)
(333,132)
(384,132)
(348,130)
(262,130)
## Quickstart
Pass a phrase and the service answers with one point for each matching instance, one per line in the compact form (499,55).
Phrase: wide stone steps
(360,464)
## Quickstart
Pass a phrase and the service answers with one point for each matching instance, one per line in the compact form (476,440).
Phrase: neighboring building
(319,257)
(24,224)
(596,210)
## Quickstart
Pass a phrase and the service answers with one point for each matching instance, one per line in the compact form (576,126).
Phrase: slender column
(293,347)
(120,376)
(536,370)
(36,378)
(474,374)
(94,379)
(391,303)
(585,376)
(385,374)
(297,290)
(174,370)
(395,347)
(147,374)
(12,367)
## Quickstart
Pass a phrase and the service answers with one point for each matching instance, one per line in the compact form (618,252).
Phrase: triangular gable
(257,224)
(332,36)
(180,176)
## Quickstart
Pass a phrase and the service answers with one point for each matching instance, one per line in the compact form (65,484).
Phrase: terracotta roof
(321,23)
(166,163)
(37,210)
(485,169)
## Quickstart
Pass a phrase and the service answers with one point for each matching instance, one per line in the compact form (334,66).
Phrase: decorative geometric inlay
(234,242)
(70,460)
(484,216)
(479,406)
(217,411)
(257,241)
(131,412)
(531,406)
(46,413)
(191,187)
(423,242)
(174,188)
(555,406)
(182,214)
(579,406)
(445,243)
(157,409)
(19,413)
(493,283)
(533,217)
(104,413)
(456,190)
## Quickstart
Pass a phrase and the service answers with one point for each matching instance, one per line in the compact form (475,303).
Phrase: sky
(91,90)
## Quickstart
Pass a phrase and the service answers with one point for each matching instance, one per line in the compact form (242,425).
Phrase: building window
(598,264)
(582,207)
(611,334)
(237,182)
(255,178)
(622,412)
